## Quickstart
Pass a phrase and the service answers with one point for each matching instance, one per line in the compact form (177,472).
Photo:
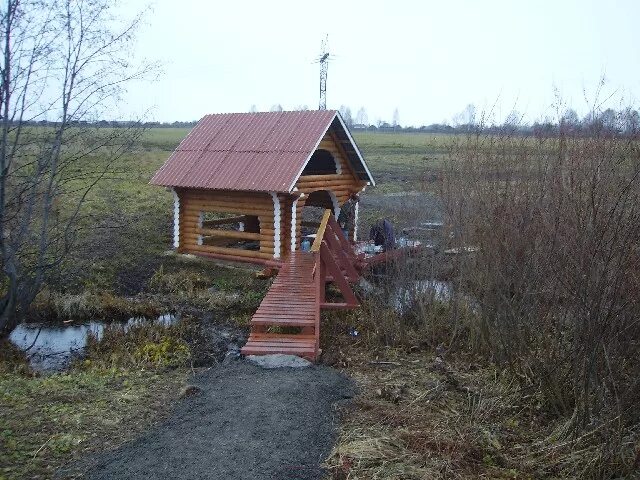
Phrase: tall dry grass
(557,280)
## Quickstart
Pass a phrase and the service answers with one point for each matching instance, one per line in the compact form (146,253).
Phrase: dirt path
(247,423)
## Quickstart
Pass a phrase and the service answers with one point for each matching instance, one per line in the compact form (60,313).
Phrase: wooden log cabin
(242,182)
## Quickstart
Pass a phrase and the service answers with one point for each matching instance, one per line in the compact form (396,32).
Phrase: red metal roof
(246,151)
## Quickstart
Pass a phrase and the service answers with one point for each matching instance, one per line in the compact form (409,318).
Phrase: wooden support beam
(338,278)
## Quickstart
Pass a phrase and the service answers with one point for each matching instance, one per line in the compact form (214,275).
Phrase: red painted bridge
(288,319)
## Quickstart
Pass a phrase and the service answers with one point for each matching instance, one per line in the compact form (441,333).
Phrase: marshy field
(514,356)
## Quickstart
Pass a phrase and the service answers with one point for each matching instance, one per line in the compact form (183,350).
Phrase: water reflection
(53,347)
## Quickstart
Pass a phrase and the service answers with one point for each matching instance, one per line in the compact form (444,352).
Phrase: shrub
(557,277)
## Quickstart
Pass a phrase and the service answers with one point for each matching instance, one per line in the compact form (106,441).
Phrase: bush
(557,277)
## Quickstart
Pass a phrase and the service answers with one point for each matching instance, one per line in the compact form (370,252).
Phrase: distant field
(128,222)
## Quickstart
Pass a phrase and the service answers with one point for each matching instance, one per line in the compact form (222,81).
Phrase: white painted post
(355,222)
(176,219)
(294,212)
(200,222)
(276,225)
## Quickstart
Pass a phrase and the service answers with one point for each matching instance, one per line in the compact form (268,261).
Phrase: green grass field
(127,223)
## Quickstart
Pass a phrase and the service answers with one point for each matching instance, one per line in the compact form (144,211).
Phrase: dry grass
(421,416)
(53,305)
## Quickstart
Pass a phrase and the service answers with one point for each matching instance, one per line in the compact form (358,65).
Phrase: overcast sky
(429,59)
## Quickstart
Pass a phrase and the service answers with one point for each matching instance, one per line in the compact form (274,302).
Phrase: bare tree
(466,118)
(276,108)
(346,115)
(64,63)
(361,117)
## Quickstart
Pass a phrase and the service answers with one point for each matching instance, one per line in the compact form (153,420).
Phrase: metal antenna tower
(323,60)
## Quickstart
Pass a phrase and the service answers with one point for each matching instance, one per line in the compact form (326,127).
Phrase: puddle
(53,347)
(403,297)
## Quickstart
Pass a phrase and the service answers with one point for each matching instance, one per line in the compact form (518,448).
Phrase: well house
(241,182)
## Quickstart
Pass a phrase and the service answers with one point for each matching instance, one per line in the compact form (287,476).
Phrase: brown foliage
(556,277)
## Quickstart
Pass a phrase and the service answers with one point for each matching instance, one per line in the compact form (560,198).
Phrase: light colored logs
(228,234)
(228,251)
(224,221)
(220,207)
(192,236)
(321,178)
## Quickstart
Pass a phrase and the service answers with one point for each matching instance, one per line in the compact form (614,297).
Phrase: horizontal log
(270,262)
(194,234)
(341,180)
(315,178)
(230,251)
(195,209)
(215,232)
(194,216)
(229,204)
(225,221)
(310,189)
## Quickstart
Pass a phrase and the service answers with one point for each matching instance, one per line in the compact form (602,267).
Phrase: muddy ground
(245,422)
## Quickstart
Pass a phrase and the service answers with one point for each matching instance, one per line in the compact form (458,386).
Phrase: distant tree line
(622,121)
(619,122)
(112,124)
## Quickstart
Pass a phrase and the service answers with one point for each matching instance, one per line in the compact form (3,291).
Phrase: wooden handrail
(213,232)
(320,235)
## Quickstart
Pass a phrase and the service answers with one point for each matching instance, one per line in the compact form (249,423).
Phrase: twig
(34,340)
(43,445)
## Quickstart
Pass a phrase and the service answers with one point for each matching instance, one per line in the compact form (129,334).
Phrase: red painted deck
(292,301)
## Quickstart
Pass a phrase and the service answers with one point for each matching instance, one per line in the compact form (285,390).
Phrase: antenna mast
(324,66)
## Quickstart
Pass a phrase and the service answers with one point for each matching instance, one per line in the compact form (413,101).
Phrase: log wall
(194,201)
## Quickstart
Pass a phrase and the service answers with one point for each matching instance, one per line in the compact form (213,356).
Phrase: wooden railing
(335,261)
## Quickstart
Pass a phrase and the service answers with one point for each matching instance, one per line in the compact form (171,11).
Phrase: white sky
(427,58)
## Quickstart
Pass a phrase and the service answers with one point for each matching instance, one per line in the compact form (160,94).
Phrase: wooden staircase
(294,301)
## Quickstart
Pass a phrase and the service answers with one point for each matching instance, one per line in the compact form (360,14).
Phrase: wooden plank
(286,322)
(281,335)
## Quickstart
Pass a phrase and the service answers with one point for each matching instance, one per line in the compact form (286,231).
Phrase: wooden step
(288,344)
(281,321)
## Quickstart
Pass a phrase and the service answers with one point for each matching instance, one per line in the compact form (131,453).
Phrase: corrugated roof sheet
(246,151)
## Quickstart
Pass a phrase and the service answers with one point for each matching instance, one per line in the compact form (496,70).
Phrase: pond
(52,347)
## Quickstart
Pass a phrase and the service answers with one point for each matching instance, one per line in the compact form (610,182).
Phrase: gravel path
(246,423)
